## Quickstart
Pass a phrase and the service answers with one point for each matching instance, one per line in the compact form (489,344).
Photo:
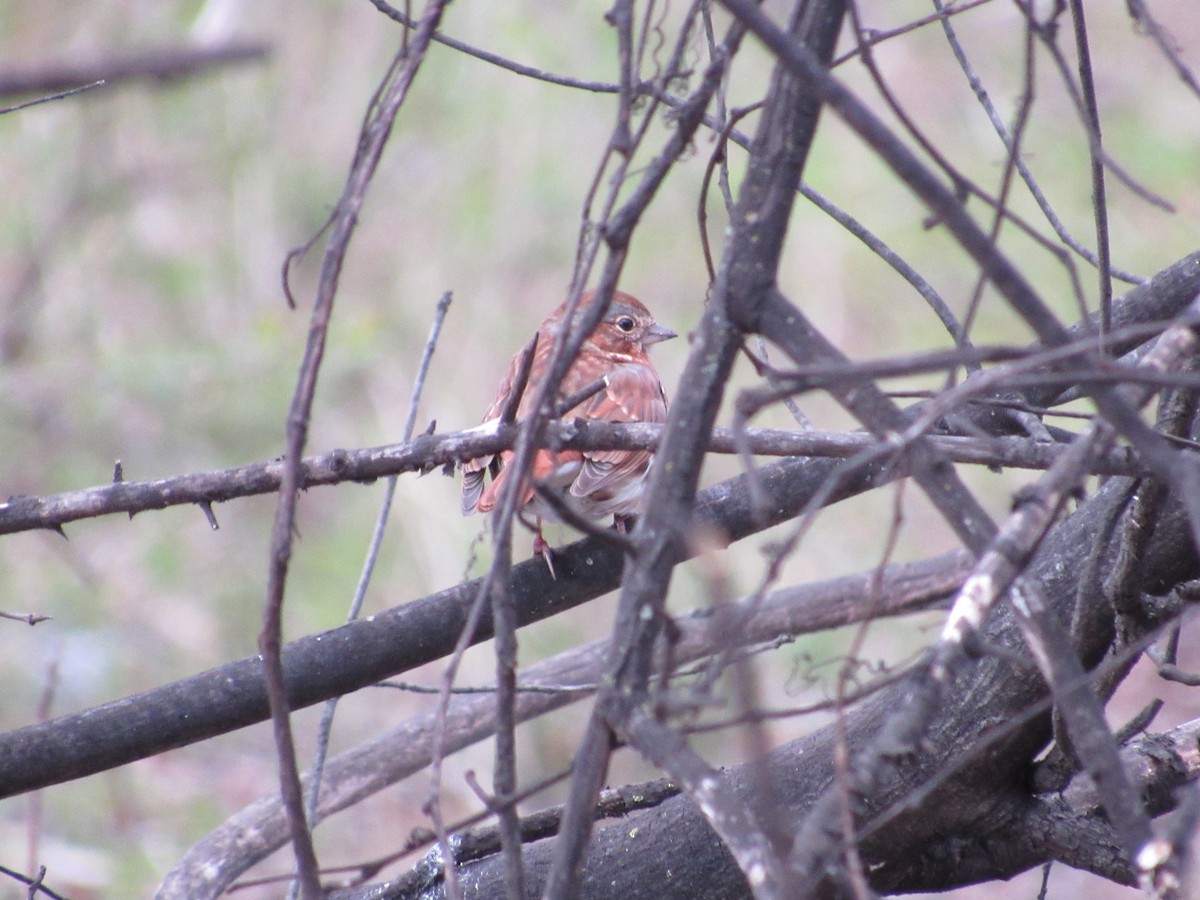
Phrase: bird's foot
(542,549)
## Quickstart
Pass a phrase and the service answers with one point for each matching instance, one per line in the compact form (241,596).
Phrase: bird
(596,483)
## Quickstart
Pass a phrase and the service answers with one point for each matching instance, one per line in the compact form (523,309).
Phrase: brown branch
(1160,299)
(946,795)
(23,513)
(261,828)
(161,65)
(361,653)
(375,131)
(1008,280)
(600,87)
(760,220)
(999,571)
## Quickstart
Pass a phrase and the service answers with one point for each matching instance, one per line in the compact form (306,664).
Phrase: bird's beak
(656,333)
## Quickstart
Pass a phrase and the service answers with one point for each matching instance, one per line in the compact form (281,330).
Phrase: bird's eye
(625,323)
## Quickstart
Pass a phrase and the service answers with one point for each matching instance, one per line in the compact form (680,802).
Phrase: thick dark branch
(1156,764)
(726,809)
(972,773)
(1000,570)
(1067,826)
(260,829)
(163,65)
(361,653)
(788,125)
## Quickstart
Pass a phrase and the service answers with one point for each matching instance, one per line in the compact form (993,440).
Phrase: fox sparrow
(596,483)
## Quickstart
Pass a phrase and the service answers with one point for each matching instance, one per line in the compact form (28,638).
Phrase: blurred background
(143,227)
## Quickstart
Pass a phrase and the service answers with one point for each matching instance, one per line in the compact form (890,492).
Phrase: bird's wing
(472,486)
(633,394)
(474,470)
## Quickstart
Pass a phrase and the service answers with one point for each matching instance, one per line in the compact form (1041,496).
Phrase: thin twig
(906,271)
(872,37)
(1166,44)
(599,87)
(842,754)
(34,825)
(27,618)
(1035,191)
(1013,148)
(33,885)
(59,96)
(1047,37)
(325,728)
(1087,87)
(388,99)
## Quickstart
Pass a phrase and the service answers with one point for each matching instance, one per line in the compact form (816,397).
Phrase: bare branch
(325,728)
(1007,279)
(378,126)
(789,122)
(260,829)
(162,65)
(51,97)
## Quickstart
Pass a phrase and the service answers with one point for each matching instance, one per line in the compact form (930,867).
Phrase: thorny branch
(636,694)
(54,511)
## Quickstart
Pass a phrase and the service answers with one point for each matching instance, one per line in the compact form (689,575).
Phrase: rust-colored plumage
(597,483)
